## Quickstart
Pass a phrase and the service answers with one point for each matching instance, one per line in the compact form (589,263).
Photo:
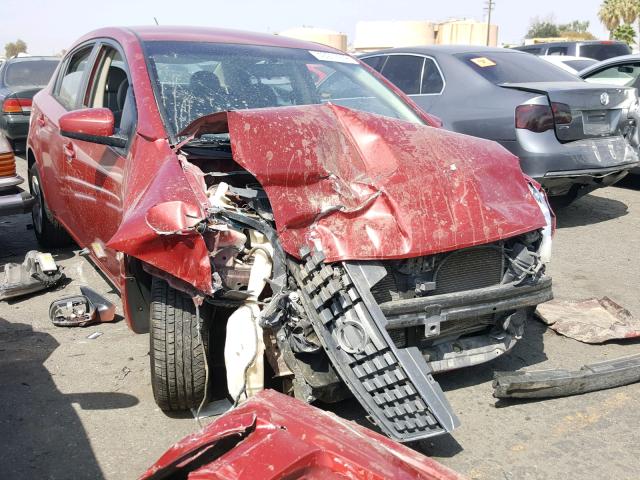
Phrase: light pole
(490,4)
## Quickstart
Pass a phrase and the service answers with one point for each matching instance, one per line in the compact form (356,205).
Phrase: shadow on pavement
(590,210)
(41,436)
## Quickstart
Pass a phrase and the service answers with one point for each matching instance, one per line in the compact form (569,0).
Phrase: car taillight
(16,105)
(561,113)
(540,118)
(7,164)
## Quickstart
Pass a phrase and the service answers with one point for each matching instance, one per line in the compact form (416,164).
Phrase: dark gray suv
(596,49)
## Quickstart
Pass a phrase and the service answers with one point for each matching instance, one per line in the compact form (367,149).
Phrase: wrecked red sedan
(268,224)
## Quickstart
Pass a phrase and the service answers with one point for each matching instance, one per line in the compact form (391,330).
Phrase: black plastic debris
(37,272)
(562,383)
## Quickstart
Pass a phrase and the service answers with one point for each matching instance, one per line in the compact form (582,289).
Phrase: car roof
(445,49)
(564,58)
(205,34)
(571,42)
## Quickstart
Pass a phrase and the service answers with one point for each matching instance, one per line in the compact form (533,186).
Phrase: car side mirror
(95,125)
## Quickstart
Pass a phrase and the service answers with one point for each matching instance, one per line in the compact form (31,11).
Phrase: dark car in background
(596,49)
(569,135)
(20,79)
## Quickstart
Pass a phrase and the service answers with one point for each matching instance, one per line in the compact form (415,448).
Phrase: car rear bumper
(14,200)
(15,126)
(596,162)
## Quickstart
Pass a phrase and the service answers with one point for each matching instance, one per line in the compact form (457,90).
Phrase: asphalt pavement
(76,408)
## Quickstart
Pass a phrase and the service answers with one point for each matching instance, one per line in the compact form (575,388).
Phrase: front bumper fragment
(460,305)
(561,383)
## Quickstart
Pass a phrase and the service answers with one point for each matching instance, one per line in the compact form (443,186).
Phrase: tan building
(372,36)
(318,35)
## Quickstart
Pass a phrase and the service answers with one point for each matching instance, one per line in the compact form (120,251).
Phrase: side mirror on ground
(95,125)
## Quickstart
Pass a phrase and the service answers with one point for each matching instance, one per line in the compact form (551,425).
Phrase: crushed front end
(358,254)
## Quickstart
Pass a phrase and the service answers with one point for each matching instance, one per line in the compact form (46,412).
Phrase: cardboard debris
(589,321)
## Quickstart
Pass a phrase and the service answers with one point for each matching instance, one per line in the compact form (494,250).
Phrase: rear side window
(405,72)
(375,62)
(511,67)
(432,81)
(70,83)
(603,51)
(557,51)
(26,73)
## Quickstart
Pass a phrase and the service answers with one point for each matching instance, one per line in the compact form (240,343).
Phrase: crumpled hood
(362,186)
(357,185)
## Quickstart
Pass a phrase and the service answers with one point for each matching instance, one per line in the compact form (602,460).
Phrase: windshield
(27,73)
(193,79)
(512,67)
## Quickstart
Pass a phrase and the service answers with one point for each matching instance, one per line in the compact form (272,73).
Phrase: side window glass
(375,62)
(622,75)
(109,88)
(557,51)
(70,84)
(404,71)
(432,81)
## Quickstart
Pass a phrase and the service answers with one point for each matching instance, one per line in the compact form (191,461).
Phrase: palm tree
(609,14)
(616,13)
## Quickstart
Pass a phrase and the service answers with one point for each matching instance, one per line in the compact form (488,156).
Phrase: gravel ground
(77,408)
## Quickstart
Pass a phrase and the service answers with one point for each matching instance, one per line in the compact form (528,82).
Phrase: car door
(95,170)
(64,97)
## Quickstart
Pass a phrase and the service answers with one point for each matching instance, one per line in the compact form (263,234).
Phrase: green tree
(545,28)
(12,49)
(616,13)
(542,28)
(625,33)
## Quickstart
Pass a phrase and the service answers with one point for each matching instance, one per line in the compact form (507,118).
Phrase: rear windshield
(27,73)
(603,51)
(512,67)
(580,64)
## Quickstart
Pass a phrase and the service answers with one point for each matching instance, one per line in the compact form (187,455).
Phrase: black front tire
(49,233)
(178,349)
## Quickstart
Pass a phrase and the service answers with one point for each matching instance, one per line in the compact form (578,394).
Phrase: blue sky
(49,26)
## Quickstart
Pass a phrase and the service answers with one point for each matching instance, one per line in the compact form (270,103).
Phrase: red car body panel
(361,185)
(279,437)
